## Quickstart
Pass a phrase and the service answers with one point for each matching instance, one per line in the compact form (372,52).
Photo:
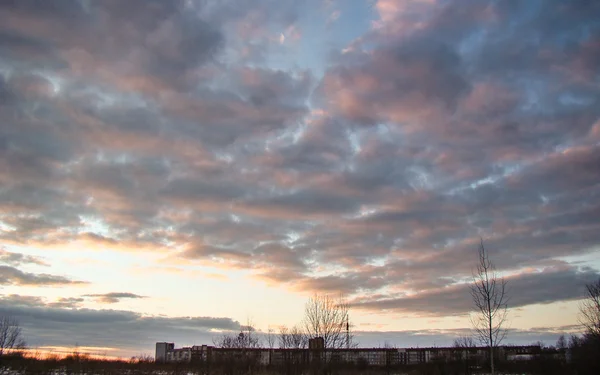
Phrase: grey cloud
(47,325)
(114,297)
(290,261)
(426,209)
(266,87)
(163,39)
(93,141)
(323,145)
(17,259)
(16,46)
(348,284)
(202,251)
(199,189)
(228,10)
(110,177)
(562,172)
(422,73)
(435,136)
(66,302)
(215,116)
(525,289)
(229,230)
(426,338)
(536,115)
(38,227)
(307,201)
(553,20)
(32,149)
(278,255)
(14,276)
(21,301)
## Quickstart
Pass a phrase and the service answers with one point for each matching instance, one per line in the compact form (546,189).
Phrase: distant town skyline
(171,170)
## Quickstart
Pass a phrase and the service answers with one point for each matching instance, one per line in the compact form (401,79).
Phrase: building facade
(162,349)
(374,357)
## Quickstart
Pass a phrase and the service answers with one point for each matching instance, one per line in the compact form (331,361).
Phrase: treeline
(18,362)
(578,355)
(325,316)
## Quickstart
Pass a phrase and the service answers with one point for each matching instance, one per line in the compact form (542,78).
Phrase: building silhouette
(316,353)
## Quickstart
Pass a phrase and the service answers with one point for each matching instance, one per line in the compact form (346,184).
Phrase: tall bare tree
(590,309)
(11,336)
(491,302)
(328,317)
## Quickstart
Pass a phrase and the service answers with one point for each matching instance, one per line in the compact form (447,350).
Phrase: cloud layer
(175,128)
(106,331)
(126,331)
(13,276)
(113,297)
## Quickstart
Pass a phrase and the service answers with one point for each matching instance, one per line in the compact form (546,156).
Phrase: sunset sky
(173,169)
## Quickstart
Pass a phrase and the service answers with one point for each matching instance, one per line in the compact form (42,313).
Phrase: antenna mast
(347,332)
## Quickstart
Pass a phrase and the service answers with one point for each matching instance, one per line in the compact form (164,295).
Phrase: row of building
(379,357)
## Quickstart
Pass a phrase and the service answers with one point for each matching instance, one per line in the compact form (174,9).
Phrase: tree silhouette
(328,317)
(590,309)
(10,335)
(490,300)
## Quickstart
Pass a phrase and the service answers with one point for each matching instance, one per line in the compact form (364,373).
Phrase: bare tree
(298,339)
(590,309)
(226,340)
(243,340)
(387,345)
(561,343)
(270,337)
(490,299)
(464,342)
(463,346)
(11,336)
(284,337)
(292,338)
(250,339)
(328,317)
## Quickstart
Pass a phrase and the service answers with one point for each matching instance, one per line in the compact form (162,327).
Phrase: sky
(172,170)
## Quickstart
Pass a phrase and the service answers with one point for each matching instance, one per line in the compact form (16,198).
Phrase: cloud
(51,325)
(113,297)
(307,201)
(290,262)
(184,128)
(67,303)
(410,82)
(427,338)
(159,44)
(17,259)
(14,276)
(47,325)
(524,289)
(333,17)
